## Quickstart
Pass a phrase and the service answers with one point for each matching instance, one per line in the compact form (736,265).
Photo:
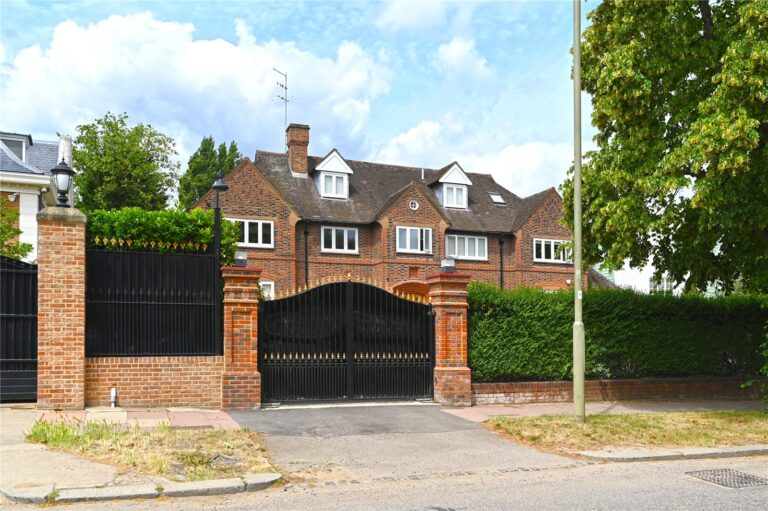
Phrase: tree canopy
(680,178)
(122,166)
(203,167)
(10,246)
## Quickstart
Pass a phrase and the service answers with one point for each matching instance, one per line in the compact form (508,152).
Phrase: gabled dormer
(17,143)
(452,187)
(332,176)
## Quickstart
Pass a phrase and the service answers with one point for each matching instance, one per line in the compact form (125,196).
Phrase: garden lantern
(62,181)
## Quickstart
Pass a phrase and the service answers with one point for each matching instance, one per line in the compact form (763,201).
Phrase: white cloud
(159,73)
(459,58)
(521,168)
(411,15)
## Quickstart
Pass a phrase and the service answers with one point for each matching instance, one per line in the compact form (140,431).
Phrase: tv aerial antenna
(283,95)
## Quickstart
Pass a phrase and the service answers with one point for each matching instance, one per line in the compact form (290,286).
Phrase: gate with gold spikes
(345,340)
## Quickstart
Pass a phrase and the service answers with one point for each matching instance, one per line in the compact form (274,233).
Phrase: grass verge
(192,455)
(679,429)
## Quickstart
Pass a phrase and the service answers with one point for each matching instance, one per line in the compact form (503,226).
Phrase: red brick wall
(543,223)
(154,381)
(61,309)
(613,390)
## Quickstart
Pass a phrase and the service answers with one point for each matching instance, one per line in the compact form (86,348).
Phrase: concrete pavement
(25,465)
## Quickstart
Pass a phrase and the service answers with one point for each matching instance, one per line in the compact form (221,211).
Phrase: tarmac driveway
(371,442)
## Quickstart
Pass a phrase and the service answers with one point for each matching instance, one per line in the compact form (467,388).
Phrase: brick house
(304,218)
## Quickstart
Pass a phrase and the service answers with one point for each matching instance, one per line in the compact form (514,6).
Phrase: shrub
(526,334)
(160,230)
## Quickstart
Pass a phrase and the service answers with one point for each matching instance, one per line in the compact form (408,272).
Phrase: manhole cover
(728,478)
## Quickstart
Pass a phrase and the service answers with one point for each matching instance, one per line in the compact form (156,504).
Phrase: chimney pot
(297,140)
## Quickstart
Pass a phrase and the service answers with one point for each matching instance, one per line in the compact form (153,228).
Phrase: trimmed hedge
(168,227)
(526,335)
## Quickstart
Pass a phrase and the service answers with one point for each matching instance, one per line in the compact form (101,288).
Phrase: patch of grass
(679,429)
(192,454)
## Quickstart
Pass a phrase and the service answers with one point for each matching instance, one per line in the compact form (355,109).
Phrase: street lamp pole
(578,324)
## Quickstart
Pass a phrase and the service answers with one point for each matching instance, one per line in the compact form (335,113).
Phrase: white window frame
(248,243)
(466,241)
(270,295)
(496,198)
(333,249)
(334,177)
(564,257)
(421,237)
(454,203)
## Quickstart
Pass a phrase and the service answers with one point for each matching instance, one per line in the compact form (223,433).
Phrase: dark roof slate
(43,155)
(373,184)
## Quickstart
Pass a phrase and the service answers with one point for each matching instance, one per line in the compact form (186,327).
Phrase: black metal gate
(345,340)
(18,330)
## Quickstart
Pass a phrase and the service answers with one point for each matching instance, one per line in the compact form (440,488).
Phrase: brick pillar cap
(56,214)
(443,275)
(241,269)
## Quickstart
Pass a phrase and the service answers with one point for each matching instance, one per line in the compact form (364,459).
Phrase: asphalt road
(618,486)
(366,443)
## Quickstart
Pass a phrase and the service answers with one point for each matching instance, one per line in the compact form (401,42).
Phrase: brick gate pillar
(241,381)
(453,381)
(61,309)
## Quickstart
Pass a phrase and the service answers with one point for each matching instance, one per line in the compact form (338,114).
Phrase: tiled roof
(373,184)
(43,155)
(9,162)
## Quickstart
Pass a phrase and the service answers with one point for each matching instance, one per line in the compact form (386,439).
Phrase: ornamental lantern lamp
(62,181)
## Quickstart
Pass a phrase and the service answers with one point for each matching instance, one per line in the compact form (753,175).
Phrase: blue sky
(417,83)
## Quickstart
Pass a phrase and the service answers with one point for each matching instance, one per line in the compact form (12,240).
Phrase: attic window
(17,147)
(497,198)
(334,185)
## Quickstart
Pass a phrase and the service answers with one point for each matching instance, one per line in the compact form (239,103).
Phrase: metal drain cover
(182,427)
(728,478)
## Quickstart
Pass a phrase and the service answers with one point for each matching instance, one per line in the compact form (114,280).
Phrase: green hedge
(191,231)
(525,335)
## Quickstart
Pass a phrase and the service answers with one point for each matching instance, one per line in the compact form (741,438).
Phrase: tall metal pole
(578,324)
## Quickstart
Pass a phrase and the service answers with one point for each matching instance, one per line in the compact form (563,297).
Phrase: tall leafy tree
(203,167)
(122,166)
(680,100)
(10,246)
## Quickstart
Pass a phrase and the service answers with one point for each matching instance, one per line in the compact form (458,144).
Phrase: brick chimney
(297,140)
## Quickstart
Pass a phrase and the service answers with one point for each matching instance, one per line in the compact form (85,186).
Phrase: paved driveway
(371,442)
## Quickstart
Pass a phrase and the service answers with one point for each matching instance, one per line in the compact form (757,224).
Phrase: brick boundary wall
(155,381)
(614,390)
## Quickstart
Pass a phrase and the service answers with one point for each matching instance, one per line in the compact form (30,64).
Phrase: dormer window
(17,143)
(453,190)
(332,176)
(455,196)
(334,185)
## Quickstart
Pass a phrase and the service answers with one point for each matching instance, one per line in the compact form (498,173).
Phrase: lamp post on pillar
(219,186)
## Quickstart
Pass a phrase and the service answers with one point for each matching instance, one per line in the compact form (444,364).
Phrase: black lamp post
(219,186)
(62,181)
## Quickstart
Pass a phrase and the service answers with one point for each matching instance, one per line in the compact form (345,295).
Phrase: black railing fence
(18,330)
(152,304)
